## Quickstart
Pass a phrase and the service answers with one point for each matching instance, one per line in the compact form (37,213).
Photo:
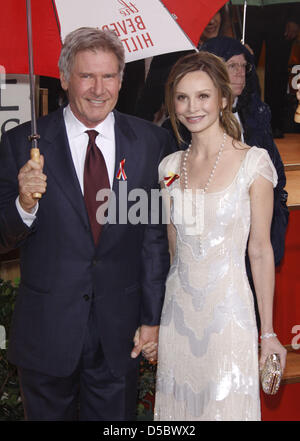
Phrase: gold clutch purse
(271,374)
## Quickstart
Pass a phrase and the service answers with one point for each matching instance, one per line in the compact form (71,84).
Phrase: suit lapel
(125,149)
(125,140)
(59,163)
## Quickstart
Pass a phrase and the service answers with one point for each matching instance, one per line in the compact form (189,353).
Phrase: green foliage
(146,391)
(11,408)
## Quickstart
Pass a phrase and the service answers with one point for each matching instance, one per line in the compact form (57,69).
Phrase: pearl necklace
(184,168)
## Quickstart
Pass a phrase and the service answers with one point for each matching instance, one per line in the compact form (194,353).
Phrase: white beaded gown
(208,343)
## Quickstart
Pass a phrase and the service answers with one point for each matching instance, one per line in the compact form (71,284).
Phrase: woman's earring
(221,113)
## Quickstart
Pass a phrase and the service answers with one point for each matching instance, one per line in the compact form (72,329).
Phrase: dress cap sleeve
(170,164)
(259,163)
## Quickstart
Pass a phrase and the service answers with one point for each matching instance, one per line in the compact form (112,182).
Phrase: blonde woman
(208,366)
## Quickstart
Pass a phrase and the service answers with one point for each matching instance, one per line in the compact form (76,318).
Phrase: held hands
(145,340)
(31,180)
(270,346)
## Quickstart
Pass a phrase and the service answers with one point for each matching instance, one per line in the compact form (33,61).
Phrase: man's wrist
(26,216)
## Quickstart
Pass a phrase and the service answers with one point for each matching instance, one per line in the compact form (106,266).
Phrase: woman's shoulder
(247,151)
(172,160)
(254,153)
(258,162)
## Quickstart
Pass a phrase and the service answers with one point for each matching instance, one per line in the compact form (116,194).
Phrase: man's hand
(31,180)
(291,30)
(146,339)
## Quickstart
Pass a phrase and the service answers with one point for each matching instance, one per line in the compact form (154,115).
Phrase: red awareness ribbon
(170,178)
(121,172)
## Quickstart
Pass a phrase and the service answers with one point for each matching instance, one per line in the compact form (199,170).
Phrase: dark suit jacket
(62,271)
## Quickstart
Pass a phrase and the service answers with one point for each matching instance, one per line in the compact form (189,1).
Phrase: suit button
(86,297)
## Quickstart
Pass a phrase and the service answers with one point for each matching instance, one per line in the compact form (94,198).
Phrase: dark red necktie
(95,179)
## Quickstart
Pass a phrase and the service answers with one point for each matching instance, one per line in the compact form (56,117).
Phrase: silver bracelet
(268,335)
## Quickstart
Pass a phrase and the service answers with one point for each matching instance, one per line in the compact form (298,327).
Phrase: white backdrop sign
(135,23)
(14,101)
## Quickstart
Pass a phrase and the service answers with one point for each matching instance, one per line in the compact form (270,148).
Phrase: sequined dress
(208,342)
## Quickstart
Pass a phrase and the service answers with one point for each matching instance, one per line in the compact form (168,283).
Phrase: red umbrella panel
(193,16)
(146,27)
(46,37)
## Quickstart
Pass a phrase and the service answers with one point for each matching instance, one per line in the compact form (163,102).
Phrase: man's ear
(121,81)
(63,81)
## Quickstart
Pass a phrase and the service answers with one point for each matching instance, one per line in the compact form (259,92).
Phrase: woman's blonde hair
(217,71)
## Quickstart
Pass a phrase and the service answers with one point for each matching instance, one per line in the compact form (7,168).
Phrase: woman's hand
(149,351)
(145,341)
(269,346)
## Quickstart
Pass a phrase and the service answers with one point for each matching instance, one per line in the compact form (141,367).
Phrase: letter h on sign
(127,8)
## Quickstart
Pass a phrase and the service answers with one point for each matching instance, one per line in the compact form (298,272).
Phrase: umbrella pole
(244,22)
(33,138)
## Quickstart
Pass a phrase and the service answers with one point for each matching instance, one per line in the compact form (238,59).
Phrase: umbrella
(263,3)
(256,3)
(145,27)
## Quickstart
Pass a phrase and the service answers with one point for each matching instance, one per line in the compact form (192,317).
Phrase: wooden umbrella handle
(35,156)
(297,114)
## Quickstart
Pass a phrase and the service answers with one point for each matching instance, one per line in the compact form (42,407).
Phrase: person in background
(150,103)
(208,367)
(88,290)
(133,83)
(218,25)
(278,26)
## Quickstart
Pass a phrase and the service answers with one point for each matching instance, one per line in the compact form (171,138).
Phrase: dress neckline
(228,186)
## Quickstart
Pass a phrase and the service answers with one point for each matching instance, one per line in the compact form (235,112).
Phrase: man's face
(213,27)
(236,67)
(93,86)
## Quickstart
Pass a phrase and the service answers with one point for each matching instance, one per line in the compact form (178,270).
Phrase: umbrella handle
(297,114)
(35,156)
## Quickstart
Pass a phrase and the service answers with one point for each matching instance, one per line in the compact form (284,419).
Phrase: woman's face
(197,103)
(213,27)
(236,67)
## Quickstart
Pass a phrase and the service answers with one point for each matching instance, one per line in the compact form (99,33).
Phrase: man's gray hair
(93,39)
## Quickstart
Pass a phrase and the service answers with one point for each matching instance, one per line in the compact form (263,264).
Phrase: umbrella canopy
(146,27)
(46,37)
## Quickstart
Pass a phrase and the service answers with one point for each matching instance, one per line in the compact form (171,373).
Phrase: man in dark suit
(85,287)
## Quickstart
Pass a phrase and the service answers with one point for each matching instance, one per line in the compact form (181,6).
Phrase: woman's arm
(262,263)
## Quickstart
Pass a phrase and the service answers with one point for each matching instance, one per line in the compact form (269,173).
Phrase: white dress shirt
(78,141)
